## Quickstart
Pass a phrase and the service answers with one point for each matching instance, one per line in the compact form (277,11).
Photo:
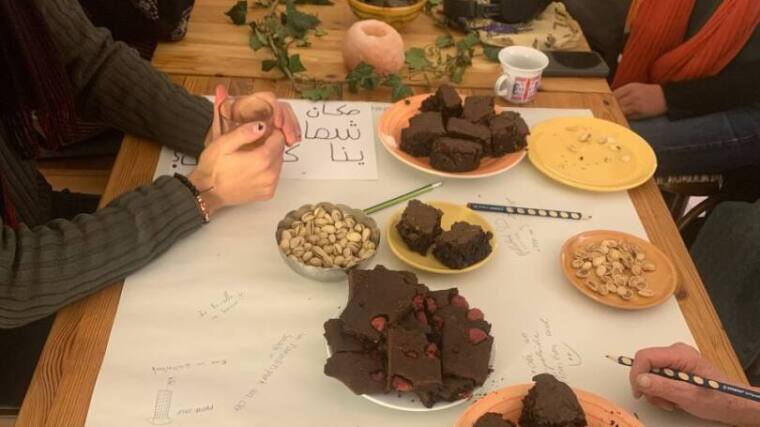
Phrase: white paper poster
(338,143)
(220,332)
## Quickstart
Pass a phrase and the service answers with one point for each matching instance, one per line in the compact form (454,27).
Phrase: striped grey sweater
(47,263)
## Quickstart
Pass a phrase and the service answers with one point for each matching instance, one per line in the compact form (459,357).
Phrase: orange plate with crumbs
(662,281)
(600,412)
(397,116)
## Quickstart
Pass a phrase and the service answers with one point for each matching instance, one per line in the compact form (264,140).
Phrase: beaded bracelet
(197,194)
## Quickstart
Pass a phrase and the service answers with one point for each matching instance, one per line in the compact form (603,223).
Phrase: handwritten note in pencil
(338,143)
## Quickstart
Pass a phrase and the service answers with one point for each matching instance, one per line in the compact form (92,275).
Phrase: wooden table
(65,377)
(214,46)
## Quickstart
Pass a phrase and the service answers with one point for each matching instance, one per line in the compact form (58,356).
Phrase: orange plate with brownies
(509,402)
(397,117)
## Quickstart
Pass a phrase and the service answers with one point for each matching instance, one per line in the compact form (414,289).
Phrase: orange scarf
(656,51)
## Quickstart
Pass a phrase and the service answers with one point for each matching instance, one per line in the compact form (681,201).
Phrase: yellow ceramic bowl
(395,16)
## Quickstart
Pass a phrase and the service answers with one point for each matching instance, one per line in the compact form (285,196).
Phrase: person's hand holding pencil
(669,394)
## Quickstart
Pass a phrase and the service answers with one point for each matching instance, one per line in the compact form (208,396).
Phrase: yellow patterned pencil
(694,379)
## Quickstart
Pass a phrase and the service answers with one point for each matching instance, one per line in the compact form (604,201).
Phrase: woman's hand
(670,394)
(261,106)
(227,175)
(639,100)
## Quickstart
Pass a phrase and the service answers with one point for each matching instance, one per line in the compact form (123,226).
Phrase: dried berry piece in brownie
(464,245)
(478,109)
(419,226)
(465,350)
(363,373)
(381,298)
(551,403)
(461,128)
(493,419)
(423,129)
(411,364)
(339,341)
(455,155)
(446,100)
(508,132)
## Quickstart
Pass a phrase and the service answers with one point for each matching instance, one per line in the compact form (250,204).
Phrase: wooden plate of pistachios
(618,269)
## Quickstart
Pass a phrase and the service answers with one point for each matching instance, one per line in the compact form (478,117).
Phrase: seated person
(686,81)
(53,59)
(671,394)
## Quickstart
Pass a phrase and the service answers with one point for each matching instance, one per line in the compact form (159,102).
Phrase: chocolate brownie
(363,373)
(424,128)
(493,419)
(419,226)
(413,362)
(465,350)
(463,245)
(455,155)
(508,133)
(478,109)
(381,298)
(339,341)
(461,128)
(551,403)
(446,100)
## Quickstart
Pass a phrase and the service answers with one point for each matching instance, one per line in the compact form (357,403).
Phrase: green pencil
(402,198)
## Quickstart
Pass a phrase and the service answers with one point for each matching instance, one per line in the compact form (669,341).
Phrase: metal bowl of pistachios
(325,241)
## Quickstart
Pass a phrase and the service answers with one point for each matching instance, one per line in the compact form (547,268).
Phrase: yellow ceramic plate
(600,412)
(451,214)
(591,154)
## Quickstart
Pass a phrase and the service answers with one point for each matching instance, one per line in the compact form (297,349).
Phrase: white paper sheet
(338,143)
(220,332)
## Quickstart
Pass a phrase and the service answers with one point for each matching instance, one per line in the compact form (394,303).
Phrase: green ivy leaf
(320,32)
(444,41)
(238,12)
(362,76)
(321,92)
(297,22)
(492,52)
(295,65)
(457,73)
(268,64)
(316,2)
(468,42)
(255,41)
(398,89)
(416,59)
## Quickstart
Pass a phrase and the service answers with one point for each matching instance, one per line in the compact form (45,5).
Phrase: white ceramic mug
(522,67)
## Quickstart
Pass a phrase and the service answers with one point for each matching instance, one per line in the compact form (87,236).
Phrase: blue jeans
(712,143)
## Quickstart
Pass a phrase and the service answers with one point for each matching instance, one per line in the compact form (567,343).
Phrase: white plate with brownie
(404,346)
(447,135)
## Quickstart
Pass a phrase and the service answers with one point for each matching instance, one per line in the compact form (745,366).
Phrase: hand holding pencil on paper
(670,394)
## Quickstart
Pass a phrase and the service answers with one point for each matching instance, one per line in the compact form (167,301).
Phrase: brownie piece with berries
(413,362)
(424,128)
(380,299)
(455,154)
(508,133)
(465,347)
(339,341)
(493,419)
(463,245)
(419,226)
(478,109)
(446,100)
(551,403)
(461,128)
(363,373)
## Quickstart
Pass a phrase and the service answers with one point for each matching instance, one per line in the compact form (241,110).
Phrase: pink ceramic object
(375,43)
